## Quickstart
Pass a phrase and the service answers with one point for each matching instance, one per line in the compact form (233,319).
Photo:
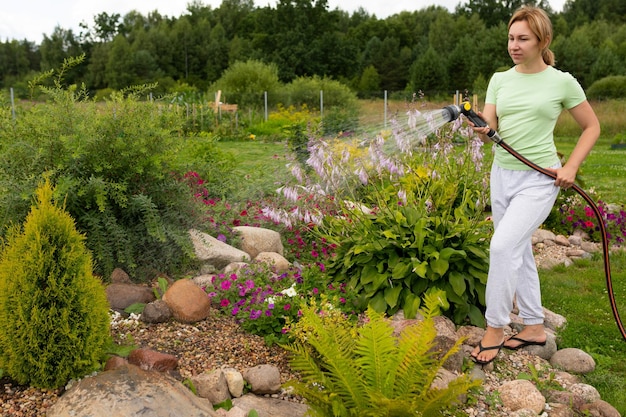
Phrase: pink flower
(225,285)
(225,302)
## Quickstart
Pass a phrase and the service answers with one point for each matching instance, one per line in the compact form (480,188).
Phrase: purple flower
(225,285)
(255,314)
(221,238)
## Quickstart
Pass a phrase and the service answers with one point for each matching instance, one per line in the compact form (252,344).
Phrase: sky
(31,19)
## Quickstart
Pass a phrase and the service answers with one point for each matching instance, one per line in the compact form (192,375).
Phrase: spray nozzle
(452,112)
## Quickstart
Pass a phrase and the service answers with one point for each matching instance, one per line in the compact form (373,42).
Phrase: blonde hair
(540,24)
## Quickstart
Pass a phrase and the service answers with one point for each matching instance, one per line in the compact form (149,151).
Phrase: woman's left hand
(565,176)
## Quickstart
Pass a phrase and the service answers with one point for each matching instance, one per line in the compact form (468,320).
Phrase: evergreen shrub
(54,312)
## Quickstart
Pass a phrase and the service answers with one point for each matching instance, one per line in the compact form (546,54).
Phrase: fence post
(13,104)
(385,121)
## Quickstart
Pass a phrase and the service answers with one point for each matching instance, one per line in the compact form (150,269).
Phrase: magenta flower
(225,285)
(225,302)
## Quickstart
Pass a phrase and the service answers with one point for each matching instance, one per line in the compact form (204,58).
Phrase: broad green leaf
(458,282)
(392,294)
(378,302)
(420,268)
(439,266)
(400,270)
(411,305)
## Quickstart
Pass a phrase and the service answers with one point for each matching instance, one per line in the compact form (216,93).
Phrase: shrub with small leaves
(54,312)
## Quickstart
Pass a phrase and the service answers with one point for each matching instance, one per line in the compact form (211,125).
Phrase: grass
(578,292)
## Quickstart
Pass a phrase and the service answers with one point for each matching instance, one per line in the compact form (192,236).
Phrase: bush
(113,162)
(54,312)
(340,111)
(612,87)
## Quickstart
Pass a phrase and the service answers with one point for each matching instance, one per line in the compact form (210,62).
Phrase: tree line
(432,50)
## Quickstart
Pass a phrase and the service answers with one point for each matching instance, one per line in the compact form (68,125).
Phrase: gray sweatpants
(520,202)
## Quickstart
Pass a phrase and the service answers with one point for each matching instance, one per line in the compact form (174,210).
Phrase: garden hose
(452,112)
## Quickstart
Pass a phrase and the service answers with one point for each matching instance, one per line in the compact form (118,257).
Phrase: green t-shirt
(528,107)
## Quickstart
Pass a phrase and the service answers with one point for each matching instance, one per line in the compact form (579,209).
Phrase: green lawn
(604,170)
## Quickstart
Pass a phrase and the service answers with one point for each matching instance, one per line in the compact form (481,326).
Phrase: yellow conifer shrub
(54,312)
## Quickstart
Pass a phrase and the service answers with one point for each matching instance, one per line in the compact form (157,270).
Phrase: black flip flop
(481,348)
(523,343)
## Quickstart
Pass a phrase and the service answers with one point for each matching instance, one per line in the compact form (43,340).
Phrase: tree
(54,312)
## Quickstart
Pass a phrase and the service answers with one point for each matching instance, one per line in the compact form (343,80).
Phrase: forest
(431,50)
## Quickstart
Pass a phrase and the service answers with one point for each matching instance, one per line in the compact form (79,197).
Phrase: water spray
(453,112)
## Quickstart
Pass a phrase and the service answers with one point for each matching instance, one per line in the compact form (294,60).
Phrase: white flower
(291,291)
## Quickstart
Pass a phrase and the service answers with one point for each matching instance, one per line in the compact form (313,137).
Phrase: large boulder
(130,391)
(187,302)
(255,240)
(211,251)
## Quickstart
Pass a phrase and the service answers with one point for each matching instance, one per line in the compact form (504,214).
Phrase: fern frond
(376,352)
(416,362)
(435,400)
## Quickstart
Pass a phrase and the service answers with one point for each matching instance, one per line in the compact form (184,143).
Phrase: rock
(553,321)
(573,360)
(115,362)
(541,235)
(562,240)
(270,407)
(575,240)
(599,408)
(234,267)
(263,379)
(255,240)
(520,394)
(119,276)
(277,262)
(445,339)
(212,386)
(234,380)
(187,301)
(212,251)
(156,312)
(560,410)
(151,360)
(589,247)
(121,296)
(586,392)
(130,391)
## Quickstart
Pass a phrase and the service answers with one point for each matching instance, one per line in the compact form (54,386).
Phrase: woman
(523,105)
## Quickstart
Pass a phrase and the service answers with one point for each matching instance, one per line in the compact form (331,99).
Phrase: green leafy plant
(54,312)
(112,163)
(162,288)
(364,370)
(403,218)
(538,377)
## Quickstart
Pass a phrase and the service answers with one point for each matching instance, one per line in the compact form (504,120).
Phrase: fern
(349,370)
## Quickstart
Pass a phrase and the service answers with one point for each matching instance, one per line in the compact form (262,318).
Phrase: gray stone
(521,394)
(130,391)
(255,240)
(214,252)
(270,407)
(277,262)
(121,296)
(156,312)
(573,360)
(212,385)
(263,379)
